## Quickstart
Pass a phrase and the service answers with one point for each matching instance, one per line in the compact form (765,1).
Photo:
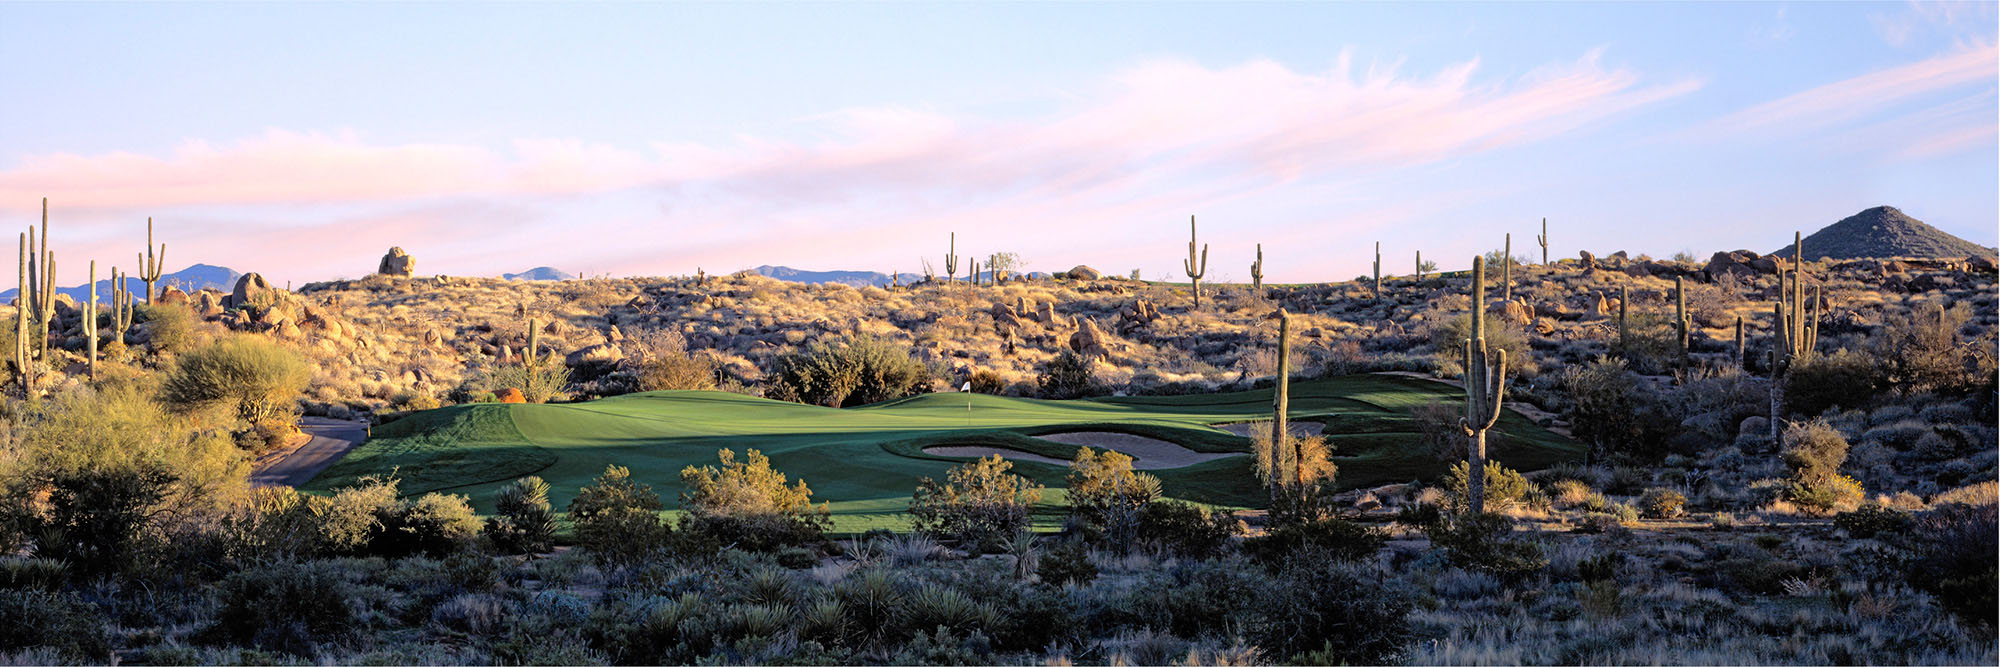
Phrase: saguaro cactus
(1257,270)
(951,259)
(1681,318)
(1795,330)
(1485,384)
(1420,266)
(45,304)
(21,321)
(90,323)
(534,338)
(1195,269)
(1378,270)
(1742,360)
(1286,467)
(149,266)
(1542,239)
(121,305)
(1624,302)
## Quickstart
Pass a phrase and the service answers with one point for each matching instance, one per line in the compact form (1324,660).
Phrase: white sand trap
(1147,453)
(1298,428)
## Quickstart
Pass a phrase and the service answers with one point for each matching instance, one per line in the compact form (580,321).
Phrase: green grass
(866,461)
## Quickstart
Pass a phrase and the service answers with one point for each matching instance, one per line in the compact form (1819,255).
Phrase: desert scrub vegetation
(847,372)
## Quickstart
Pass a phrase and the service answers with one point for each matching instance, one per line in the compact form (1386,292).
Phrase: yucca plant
(935,606)
(874,604)
(825,620)
(770,585)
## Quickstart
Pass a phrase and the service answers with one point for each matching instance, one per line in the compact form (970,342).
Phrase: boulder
(510,395)
(1600,307)
(1735,261)
(248,289)
(397,263)
(208,304)
(1981,264)
(1588,260)
(173,296)
(1082,272)
(1089,340)
(1004,316)
(1552,309)
(1510,311)
(600,352)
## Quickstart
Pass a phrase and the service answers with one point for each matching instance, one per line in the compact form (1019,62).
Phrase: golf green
(866,461)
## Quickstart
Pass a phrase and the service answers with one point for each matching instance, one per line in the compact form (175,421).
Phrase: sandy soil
(1298,428)
(1148,453)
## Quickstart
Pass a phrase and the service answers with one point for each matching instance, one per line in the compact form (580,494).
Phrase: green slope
(867,460)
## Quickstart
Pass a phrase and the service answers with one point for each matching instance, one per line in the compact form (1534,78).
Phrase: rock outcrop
(397,263)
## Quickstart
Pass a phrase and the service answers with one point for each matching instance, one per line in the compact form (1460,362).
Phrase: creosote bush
(1814,451)
(1068,375)
(848,372)
(1107,496)
(746,503)
(1505,487)
(617,519)
(981,503)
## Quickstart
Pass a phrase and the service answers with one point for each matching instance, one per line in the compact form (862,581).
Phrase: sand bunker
(1147,453)
(1298,428)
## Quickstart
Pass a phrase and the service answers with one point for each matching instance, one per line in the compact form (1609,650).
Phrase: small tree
(616,518)
(1814,451)
(748,503)
(251,378)
(981,503)
(1106,495)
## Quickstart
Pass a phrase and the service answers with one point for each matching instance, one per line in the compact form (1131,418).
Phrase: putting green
(866,461)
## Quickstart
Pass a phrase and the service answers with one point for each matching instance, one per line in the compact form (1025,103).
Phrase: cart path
(331,439)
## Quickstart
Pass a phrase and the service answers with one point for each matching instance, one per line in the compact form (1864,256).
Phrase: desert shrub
(1814,452)
(1067,562)
(1478,542)
(1923,352)
(1186,528)
(664,363)
(95,519)
(169,329)
(981,503)
(1324,615)
(748,504)
(1505,487)
(852,371)
(1068,375)
(523,521)
(1871,519)
(1658,503)
(295,607)
(1611,412)
(1439,429)
(1326,538)
(1847,378)
(540,382)
(987,382)
(1449,336)
(617,519)
(249,377)
(33,618)
(434,524)
(38,573)
(1310,458)
(476,613)
(1107,495)
(1955,559)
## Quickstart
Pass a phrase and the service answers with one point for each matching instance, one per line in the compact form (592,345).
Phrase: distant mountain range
(854,278)
(199,276)
(538,273)
(1884,231)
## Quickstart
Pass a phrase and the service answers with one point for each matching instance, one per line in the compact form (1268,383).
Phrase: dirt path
(1147,453)
(331,439)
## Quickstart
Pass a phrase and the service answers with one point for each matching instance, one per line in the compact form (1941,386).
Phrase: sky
(301,141)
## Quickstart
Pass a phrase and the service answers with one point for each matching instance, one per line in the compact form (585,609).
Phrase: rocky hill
(191,279)
(848,278)
(1884,231)
(538,273)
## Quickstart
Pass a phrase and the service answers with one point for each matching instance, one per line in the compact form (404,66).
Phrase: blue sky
(301,140)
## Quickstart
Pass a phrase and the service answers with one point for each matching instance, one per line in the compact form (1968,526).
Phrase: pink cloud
(1123,160)
(1860,96)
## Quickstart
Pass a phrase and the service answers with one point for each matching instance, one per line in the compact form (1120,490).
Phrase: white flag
(967,387)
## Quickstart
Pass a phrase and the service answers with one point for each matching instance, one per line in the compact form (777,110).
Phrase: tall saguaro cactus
(21,358)
(1257,270)
(1485,384)
(1542,239)
(534,340)
(1420,266)
(1193,268)
(121,305)
(1378,270)
(951,259)
(1742,360)
(1681,318)
(149,266)
(1286,465)
(1624,334)
(1795,330)
(90,323)
(45,304)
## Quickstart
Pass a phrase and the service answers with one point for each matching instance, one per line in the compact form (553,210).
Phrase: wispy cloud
(1149,144)
(1862,96)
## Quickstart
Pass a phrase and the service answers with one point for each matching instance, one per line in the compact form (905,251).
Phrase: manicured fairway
(867,460)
